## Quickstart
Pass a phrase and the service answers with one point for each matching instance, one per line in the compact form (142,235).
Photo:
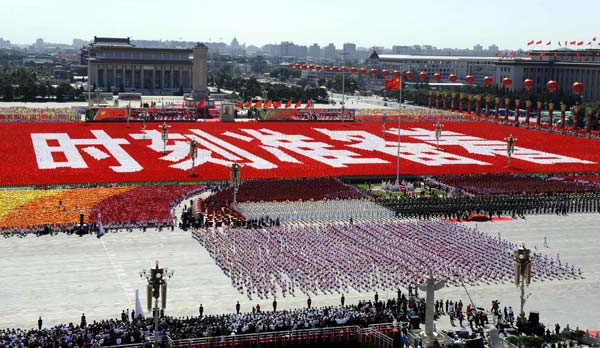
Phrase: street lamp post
(344,53)
(398,152)
(144,123)
(89,85)
(438,134)
(510,148)
(522,275)
(235,180)
(157,289)
(193,155)
(164,132)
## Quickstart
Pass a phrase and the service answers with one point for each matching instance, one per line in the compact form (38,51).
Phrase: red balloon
(304,66)
(423,76)
(363,71)
(311,67)
(297,66)
(291,65)
(452,78)
(344,69)
(396,73)
(507,82)
(384,73)
(551,85)
(487,81)
(528,84)
(577,87)
(437,77)
(373,72)
(469,79)
(326,68)
(353,70)
(335,68)
(409,75)
(318,67)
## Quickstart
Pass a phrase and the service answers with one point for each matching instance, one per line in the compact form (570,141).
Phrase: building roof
(399,57)
(112,41)
(374,55)
(143,49)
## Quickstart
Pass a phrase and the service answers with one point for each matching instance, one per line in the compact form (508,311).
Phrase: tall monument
(200,72)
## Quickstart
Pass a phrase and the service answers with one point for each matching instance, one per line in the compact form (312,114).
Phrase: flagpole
(399,114)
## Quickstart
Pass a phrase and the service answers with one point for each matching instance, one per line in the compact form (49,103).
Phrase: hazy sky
(442,23)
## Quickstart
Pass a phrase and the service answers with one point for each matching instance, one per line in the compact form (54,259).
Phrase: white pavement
(60,277)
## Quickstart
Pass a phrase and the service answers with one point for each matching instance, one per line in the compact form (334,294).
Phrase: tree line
(23,84)
(249,88)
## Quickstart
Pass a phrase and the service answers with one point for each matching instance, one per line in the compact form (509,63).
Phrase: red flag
(543,53)
(514,53)
(539,42)
(594,39)
(589,43)
(248,104)
(277,104)
(201,104)
(530,42)
(548,43)
(308,104)
(578,55)
(497,54)
(238,105)
(288,104)
(528,54)
(298,103)
(393,84)
(559,44)
(580,43)
(258,104)
(573,42)
(268,104)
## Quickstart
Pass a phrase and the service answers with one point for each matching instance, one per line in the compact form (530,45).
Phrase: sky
(510,24)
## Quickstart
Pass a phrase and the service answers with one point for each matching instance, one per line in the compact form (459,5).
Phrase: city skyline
(462,24)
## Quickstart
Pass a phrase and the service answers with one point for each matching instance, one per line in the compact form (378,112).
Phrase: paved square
(60,277)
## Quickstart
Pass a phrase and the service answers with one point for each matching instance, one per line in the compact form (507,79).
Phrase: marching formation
(318,211)
(321,259)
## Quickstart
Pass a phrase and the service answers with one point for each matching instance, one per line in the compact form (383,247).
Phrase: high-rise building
(349,50)
(235,47)
(329,52)
(314,51)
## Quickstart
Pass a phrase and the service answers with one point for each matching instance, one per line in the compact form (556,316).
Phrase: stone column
(200,72)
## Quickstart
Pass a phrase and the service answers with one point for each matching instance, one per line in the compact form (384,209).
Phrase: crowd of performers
(322,259)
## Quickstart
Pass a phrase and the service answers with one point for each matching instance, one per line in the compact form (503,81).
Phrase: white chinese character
(305,146)
(68,147)
(208,147)
(486,147)
(416,152)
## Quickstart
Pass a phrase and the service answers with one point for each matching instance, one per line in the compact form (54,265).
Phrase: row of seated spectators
(593,180)
(217,209)
(117,332)
(513,184)
(166,114)
(145,204)
(281,190)
(123,208)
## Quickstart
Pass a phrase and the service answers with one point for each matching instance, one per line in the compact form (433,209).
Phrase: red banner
(56,153)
